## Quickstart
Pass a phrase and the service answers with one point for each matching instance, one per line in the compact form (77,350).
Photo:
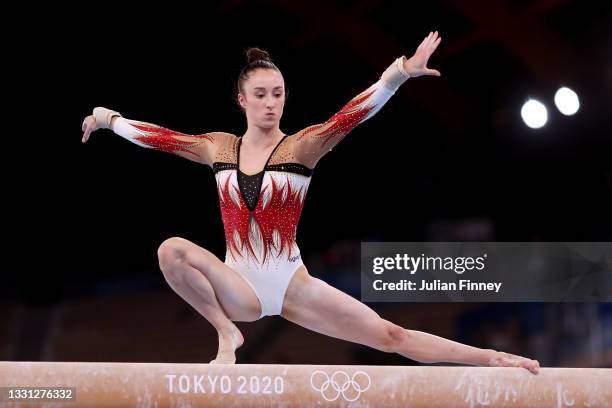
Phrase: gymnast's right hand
(89,125)
(100,119)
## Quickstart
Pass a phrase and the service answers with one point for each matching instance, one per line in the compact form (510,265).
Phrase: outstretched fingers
(431,42)
(434,44)
(87,127)
(424,52)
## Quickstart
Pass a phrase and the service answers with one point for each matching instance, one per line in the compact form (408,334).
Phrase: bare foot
(229,341)
(501,359)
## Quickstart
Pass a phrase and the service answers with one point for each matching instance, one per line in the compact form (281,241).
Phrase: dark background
(447,158)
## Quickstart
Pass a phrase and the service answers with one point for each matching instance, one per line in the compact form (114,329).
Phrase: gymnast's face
(264,98)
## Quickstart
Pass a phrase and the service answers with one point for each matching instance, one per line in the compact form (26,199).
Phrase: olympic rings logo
(340,384)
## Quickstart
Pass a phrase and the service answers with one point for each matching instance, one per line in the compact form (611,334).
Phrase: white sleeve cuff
(104,116)
(395,75)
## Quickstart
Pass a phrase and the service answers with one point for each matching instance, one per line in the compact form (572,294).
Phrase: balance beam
(257,385)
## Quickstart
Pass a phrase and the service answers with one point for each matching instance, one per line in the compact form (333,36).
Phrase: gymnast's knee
(393,337)
(170,254)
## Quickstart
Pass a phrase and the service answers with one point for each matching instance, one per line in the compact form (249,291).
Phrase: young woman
(262,179)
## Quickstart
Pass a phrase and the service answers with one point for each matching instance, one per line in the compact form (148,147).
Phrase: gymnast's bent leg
(215,290)
(315,305)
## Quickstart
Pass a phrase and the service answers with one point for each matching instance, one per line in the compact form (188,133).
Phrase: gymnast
(262,178)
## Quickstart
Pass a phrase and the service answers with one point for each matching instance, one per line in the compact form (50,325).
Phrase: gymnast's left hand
(501,359)
(417,64)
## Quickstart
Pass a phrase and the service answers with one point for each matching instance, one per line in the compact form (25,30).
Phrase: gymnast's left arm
(314,141)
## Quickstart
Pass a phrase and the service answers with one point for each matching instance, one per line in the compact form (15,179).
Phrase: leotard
(261,212)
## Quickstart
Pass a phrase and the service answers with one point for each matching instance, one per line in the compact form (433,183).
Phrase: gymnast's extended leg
(215,290)
(315,305)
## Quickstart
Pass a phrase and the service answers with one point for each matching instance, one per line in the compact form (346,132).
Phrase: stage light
(567,101)
(534,114)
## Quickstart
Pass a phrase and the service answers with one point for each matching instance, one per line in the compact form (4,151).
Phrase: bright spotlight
(534,114)
(567,101)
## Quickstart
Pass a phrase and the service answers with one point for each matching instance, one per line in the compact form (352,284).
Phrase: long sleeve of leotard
(197,148)
(314,141)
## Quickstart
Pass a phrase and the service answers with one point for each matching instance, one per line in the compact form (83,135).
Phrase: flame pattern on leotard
(193,147)
(342,122)
(168,140)
(315,141)
(268,230)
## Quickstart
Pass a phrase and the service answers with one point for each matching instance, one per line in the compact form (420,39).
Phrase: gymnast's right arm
(198,148)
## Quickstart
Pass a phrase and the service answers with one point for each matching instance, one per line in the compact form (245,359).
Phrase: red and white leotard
(261,212)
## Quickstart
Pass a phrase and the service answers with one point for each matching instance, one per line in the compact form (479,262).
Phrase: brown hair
(256,59)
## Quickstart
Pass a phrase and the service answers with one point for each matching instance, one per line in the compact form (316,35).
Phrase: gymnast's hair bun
(255,54)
